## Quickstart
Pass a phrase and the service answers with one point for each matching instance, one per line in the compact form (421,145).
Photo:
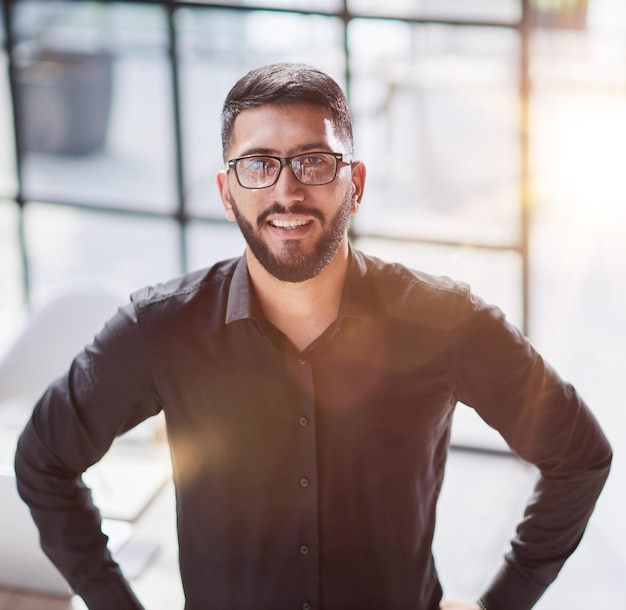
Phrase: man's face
(292,229)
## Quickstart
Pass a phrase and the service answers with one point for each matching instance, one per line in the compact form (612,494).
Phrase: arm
(107,390)
(546,423)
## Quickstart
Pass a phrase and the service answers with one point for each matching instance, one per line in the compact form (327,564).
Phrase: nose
(287,186)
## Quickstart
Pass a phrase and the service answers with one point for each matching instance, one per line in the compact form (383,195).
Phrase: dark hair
(287,83)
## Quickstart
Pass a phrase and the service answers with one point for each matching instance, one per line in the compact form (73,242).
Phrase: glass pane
(12,312)
(70,247)
(477,10)
(306,5)
(221,46)
(210,243)
(8,182)
(493,276)
(436,121)
(578,144)
(95,104)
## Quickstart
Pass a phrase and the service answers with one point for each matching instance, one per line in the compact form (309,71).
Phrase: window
(117,121)
(137,137)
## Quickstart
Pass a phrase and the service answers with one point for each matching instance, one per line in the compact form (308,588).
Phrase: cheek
(242,212)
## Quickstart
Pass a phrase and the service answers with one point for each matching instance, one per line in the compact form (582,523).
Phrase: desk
(158,586)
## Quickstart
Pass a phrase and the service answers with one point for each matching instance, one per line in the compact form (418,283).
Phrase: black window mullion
(10,44)
(179,164)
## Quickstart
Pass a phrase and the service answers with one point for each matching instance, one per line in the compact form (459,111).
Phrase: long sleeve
(547,424)
(107,390)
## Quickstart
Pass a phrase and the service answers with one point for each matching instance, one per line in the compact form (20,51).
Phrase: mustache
(296,208)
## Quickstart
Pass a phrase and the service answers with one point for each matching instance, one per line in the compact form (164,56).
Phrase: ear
(358,185)
(224,191)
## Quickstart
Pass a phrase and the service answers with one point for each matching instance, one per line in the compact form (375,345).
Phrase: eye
(316,159)
(257,164)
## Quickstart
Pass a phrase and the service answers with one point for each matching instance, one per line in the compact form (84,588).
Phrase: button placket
(305,478)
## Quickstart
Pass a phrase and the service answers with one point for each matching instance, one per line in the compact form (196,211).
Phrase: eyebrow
(259,150)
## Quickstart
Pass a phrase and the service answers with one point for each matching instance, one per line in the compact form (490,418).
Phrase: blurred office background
(494,132)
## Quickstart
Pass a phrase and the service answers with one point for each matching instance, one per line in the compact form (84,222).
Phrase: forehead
(283,130)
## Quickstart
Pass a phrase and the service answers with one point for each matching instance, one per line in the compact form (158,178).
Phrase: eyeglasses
(312,168)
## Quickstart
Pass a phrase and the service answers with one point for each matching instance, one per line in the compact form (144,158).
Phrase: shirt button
(303,421)
(301,361)
(304,482)
(304,549)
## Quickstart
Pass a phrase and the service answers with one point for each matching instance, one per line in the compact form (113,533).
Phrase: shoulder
(412,299)
(185,288)
(399,290)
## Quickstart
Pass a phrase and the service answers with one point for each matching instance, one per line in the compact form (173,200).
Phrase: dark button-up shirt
(308,480)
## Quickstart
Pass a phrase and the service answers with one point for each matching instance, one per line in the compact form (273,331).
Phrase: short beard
(291,264)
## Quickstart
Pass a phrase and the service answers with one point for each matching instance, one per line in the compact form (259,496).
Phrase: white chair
(129,477)
(51,338)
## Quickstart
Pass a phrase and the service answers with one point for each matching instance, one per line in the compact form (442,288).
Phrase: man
(308,391)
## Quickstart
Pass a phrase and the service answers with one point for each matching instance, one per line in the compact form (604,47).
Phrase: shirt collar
(240,306)
(357,299)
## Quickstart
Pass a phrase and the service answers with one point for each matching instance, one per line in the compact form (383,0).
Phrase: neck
(302,310)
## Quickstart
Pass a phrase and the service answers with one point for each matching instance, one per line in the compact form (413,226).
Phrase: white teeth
(289,224)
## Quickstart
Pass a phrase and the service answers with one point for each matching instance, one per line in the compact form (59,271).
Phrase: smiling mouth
(289,224)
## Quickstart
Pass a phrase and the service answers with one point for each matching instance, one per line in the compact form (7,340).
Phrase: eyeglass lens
(311,169)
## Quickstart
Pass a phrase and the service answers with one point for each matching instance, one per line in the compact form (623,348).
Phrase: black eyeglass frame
(339,158)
